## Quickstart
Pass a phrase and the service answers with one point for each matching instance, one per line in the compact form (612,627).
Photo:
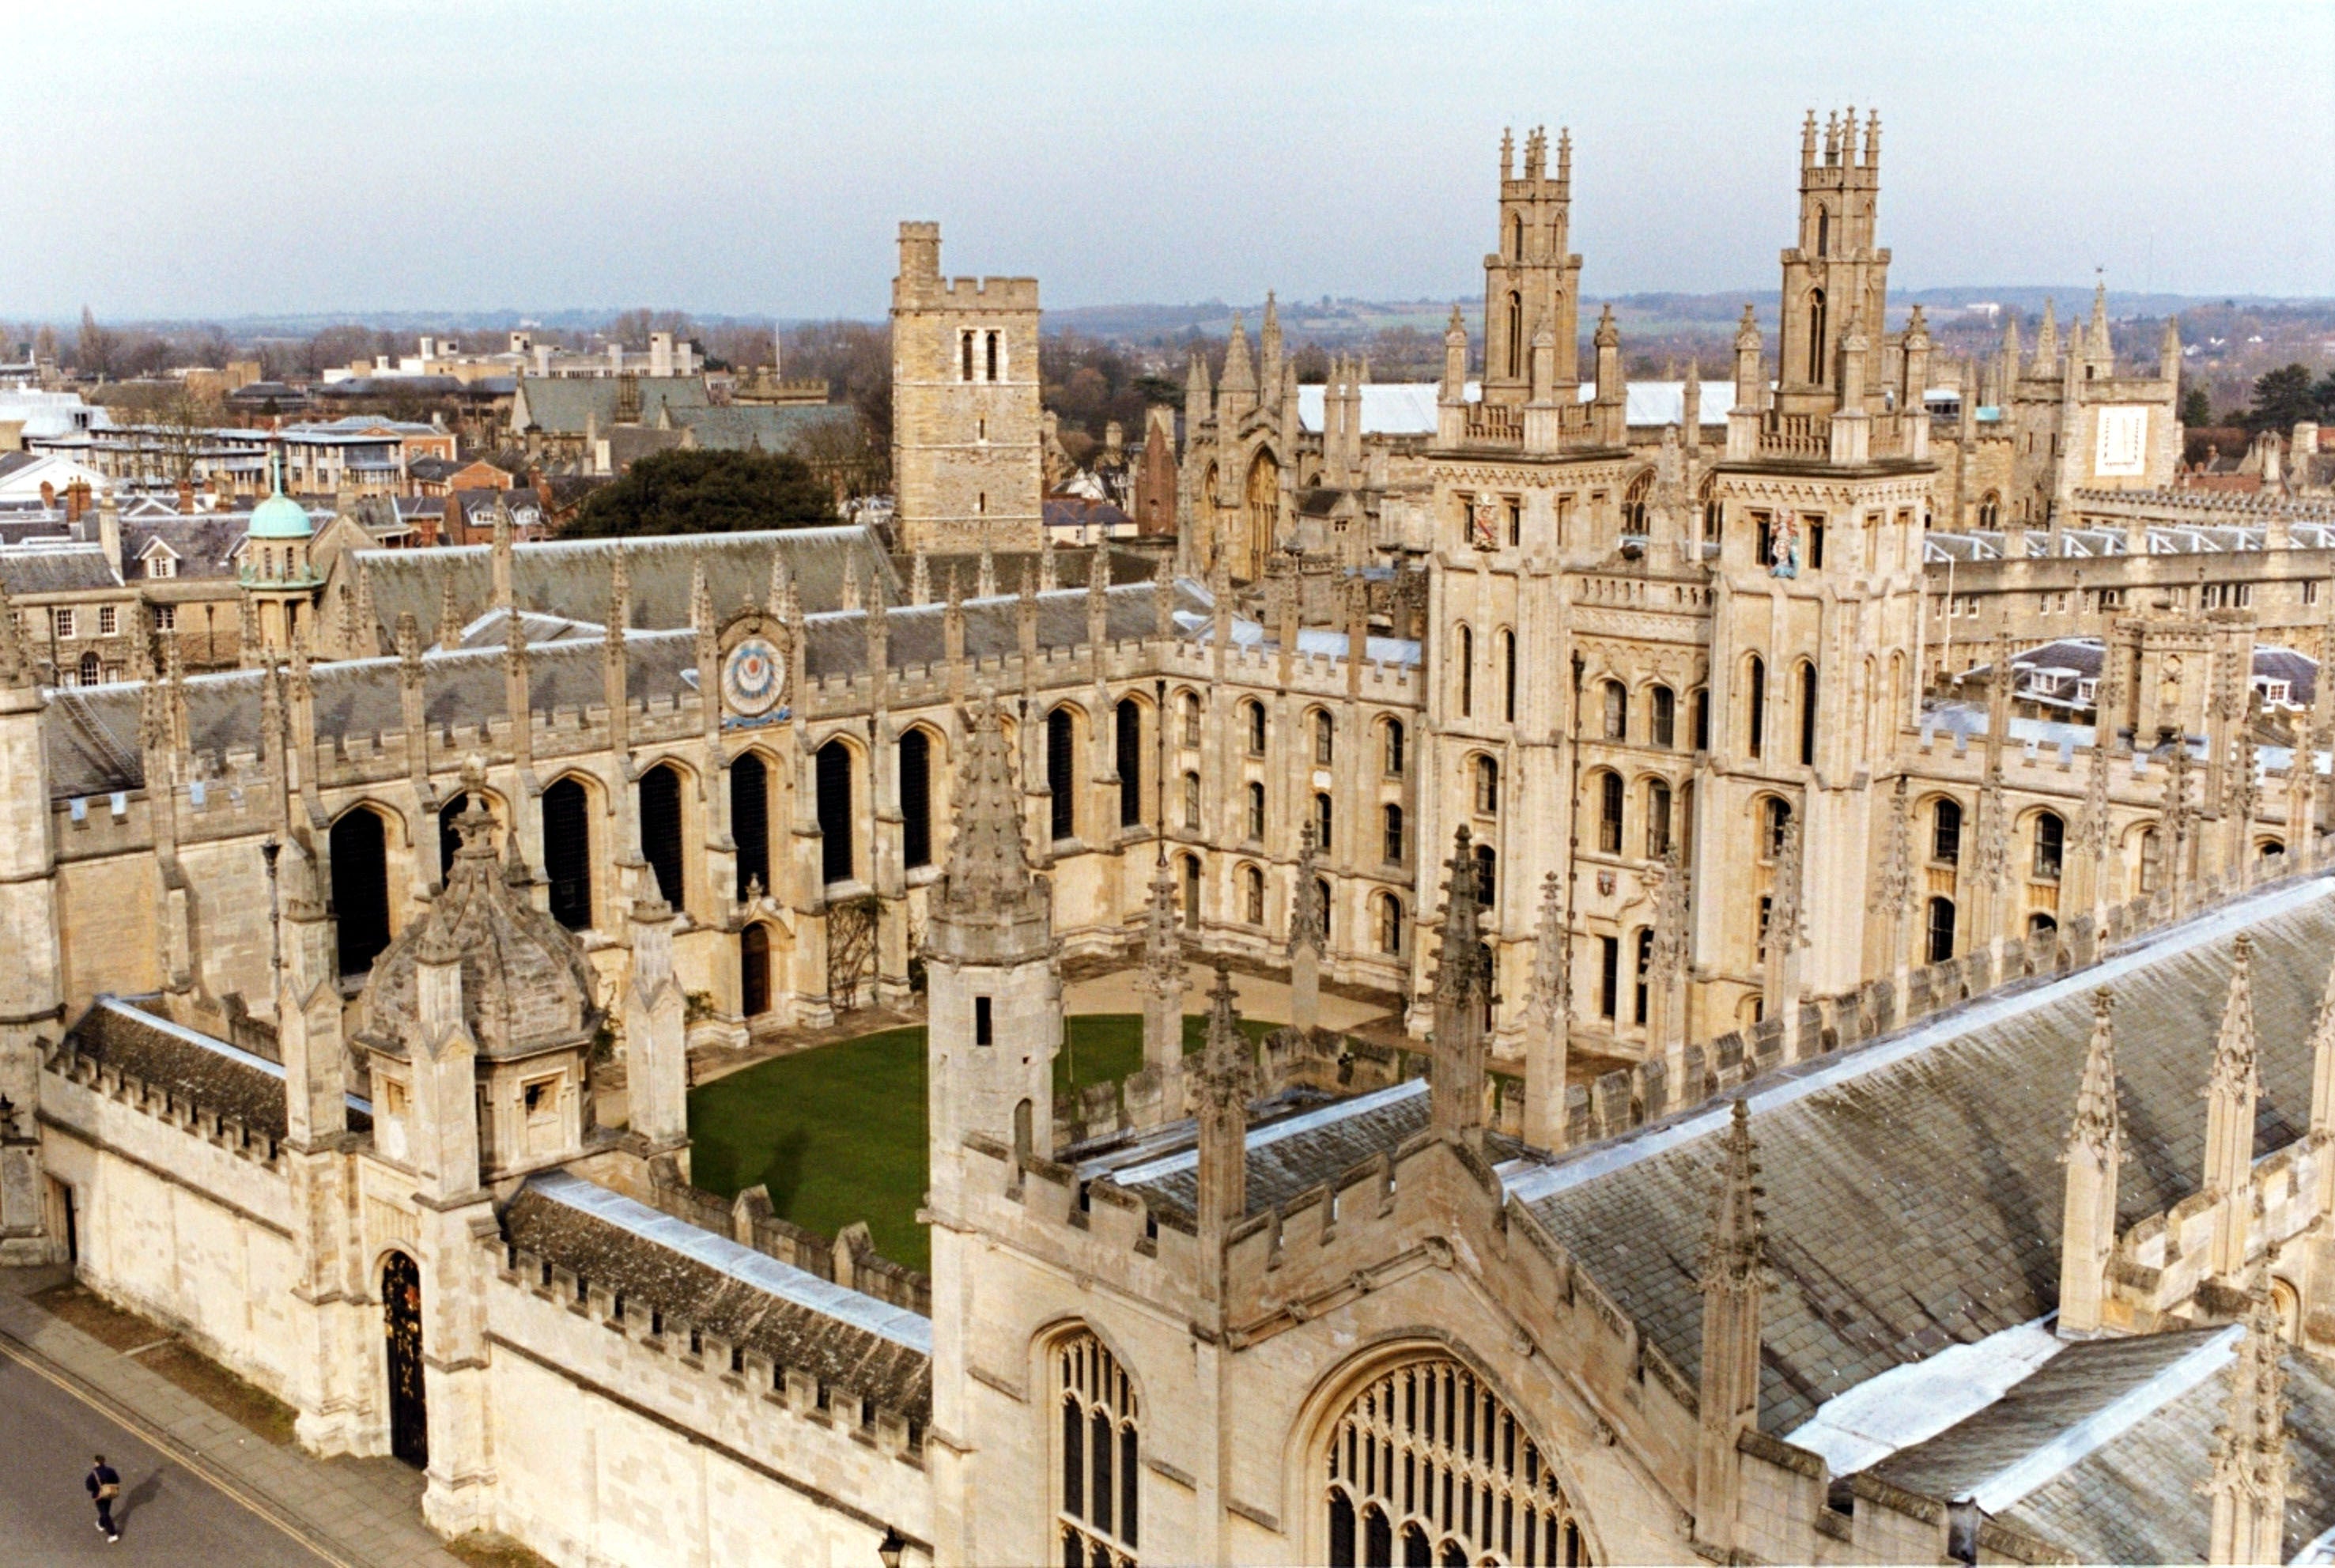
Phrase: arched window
(1517,236)
(1702,718)
(1100,1471)
(1657,818)
(91,673)
(1757,675)
(1633,502)
(1254,712)
(1393,737)
(1257,811)
(1488,787)
(1486,865)
(1941,930)
(749,819)
(2050,840)
(994,356)
(1642,964)
(1808,714)
(2038,923)
(754,970)
(1824,231)
(1989,511)
(1617,710)
(1391,819)
(660,800)
(1774,813)
(1253,895)
(1128,732)
(568,852)
(1946,832)
(1191,802)
(1192,891)
(1061,775)
(1466,672)
(965,356)
(1609,813)
(360,850)
(1191,710)
(1327,906)
(916,799)
(1428,1455)
(833,766)
(1820,373)
(1325,737)
(1509,675)
(1390,924)
(1661,717)
(1321,822)
(1515,334)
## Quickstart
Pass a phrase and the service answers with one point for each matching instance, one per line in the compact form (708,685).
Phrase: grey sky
(232,158)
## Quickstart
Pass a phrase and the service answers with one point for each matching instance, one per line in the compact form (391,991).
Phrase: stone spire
(2168,352)
(1462,991)
(2250,1481)
(1548,1026)
(1455,360)
(990,909)
(1163,981)
(2047,342)
(2094,1152)
(1224,1080)
(450,616)
(1306,936)
(1239,383)
(2097,346)
(1199,398)
(1268,345)
(2230,1093)
(1734,1273)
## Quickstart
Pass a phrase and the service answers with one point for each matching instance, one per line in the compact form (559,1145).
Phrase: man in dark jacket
(104,1485)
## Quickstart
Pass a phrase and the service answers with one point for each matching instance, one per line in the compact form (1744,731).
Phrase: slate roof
(90,732)
(1916,1203)
(654,1276)
(915,634)
(2136,1499)
(1070,566)
(571,577)
(773,427)
(561,405)
(205,544)
(48,568)
(192,1068)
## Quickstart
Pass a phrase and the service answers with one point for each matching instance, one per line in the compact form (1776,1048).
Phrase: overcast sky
(226,159)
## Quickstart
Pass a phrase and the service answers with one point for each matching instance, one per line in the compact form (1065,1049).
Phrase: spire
(2047,342)
(1734,1273)
(1268,344)
(1507,154)
(1240,377)
(2098,1131)
(2230,1093)
(1548,1024)
(1462,990)
(2098,348)
(2251,1479)
(1455,360)
(1198,398)
(1873,140)
(2168,352)
(2093,1154)
(1224,1079)
(985,582)
(989,864)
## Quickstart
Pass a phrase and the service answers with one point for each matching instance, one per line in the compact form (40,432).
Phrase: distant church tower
(966,464)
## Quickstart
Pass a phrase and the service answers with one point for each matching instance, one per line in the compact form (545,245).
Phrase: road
(167,1514)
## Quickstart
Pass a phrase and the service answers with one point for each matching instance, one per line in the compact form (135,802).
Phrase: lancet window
(1096,1491)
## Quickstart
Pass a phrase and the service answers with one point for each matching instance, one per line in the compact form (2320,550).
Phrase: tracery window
(1427,1465)
(1095,1502)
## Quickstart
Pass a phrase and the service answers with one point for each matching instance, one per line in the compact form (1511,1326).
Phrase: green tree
(694,491)
(2281,397)
(2196,408)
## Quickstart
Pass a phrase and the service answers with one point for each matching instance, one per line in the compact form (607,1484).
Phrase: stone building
(1606,751)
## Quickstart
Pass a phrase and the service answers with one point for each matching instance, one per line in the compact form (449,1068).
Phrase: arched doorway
(360,888)
(660,790)
(1263,517)
(754,970)
(400,1313)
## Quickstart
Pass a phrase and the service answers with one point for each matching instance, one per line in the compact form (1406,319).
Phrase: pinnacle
(988,866)
(1457,966)
(1732,1252)
(2097,1126)
(2234,1051)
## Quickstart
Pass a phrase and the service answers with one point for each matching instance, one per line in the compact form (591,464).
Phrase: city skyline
(1161,157)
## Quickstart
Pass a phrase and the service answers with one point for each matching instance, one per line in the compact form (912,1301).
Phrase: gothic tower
(1532,279)
(966,424)
(1833,276)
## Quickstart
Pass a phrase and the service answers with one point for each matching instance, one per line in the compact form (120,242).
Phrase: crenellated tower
(1532,280)
(1836,278)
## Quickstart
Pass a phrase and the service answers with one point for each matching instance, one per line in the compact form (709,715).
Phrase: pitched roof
(562,405)
(1915,1184)
(191,1067)
(48,568)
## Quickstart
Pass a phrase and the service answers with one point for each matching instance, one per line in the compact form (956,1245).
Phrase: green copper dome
(279,517)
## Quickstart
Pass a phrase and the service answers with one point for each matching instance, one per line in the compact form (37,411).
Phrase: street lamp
(891,1547)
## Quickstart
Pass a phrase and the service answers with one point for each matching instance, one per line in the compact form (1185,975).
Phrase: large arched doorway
(660,790)
(1426,1465)
(568,852)
(360,888)
(1262,516)
(754,970)
(400,1313)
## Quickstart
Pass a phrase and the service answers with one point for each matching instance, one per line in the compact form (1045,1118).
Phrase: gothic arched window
(1609,813)
(1816,366)
(659,799)
(1128,732)
(1321,822)
(1256,812)
(1100,1470)
(1253,895)
(749,818)
(1390,817)
(1940,943)
(833,766)
(1946,832)
(2051,842)
(1661,717)
(1426,1464)
(1467,651)
(360,888)
(1325,733)
(915,803)
(1394,748)
(1061,781)
(1617,710)
(1488,787)
(1390,924)
(1515,334)
(1255,714)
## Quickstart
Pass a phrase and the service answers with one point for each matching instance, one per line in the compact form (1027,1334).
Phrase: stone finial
(1552,969)
(1787,926)
(989,863)
(2097,1129)
(2235,1067)
(1734,1274)
(1733,1247)
(985,583)
(1222,1083)
(920,580)
(1240,375)
(851,583)
(2232,1092)
(2047,342)
(1049,569)
(781,583)
(1608,335)
(2251,1476)
(450,615)
(409,643)
(1305,898)
(1462,992)
(1459,967)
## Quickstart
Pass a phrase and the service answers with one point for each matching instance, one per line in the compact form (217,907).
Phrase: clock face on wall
(752,679)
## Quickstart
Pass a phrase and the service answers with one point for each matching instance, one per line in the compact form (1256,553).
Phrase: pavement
(197,1487)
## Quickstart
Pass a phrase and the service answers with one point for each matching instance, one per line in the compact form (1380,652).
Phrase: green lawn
(837,1133)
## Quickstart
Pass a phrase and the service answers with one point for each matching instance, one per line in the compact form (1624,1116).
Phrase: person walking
(104,1485)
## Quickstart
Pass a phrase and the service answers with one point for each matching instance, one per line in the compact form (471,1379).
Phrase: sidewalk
(358,1513)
